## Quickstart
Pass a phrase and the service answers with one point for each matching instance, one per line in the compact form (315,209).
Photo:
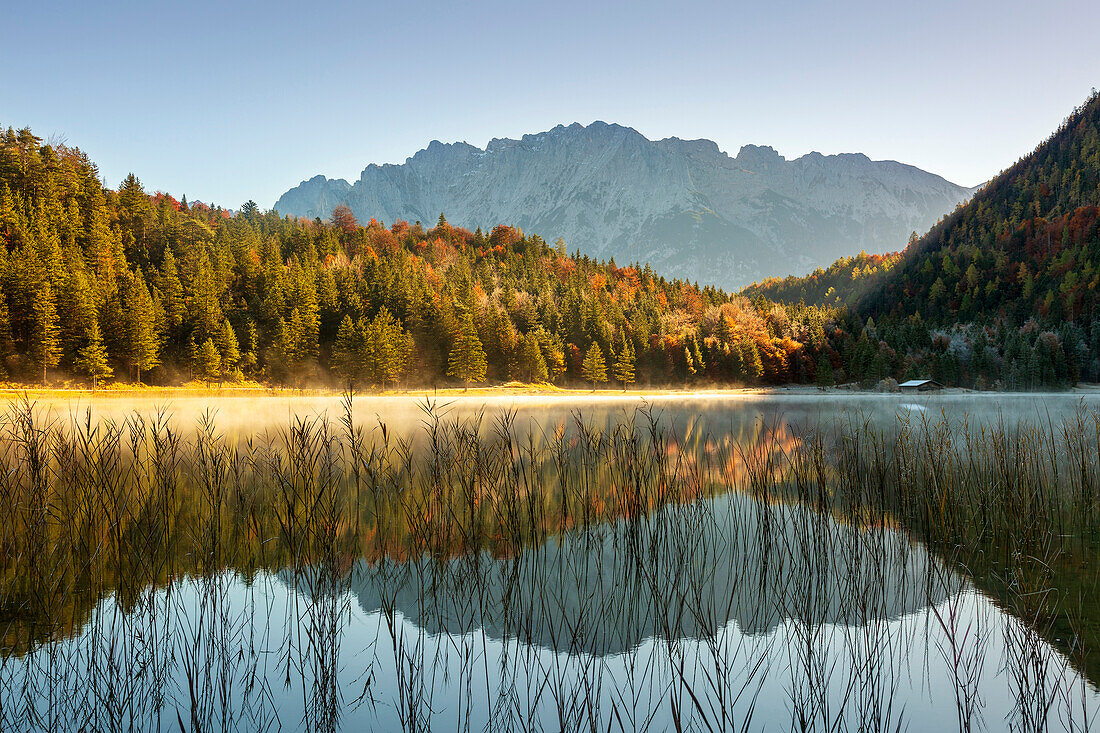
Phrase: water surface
(592,576)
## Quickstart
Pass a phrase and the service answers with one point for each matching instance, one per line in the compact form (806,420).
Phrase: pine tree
(92,358)
(294,337)
(388,347)
(144,344)
(365,362)
(307,330)
(346,351)
(750,357)
(80,309)
(501,343)
(7,346)
(47,342)
(697,355)
(249,359)
(734,360)
(623,368)
(228,348)
(207,362)
(204,291)
(104,247)
(878,368)
(175,309)
(594,368)
(466,362)
(532,362)
(135,212)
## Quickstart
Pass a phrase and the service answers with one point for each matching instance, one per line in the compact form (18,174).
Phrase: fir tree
(80,307)
(697,355)
(307,329)
(47,342)
(248,355)
(92,358)
(346,351)
(531,360)
(689,361)
(623,368)
(466,362)
(207,362)
(7,346)
(228,348)
(295,339)
(135,213)
(144,344)
(594,368)
(204,293)
(750,358)
(389,346)
(175,309)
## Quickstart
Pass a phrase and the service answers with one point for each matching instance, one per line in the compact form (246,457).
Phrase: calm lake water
(714,412)
(556,583)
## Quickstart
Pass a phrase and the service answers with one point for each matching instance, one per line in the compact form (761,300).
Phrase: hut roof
(921,383)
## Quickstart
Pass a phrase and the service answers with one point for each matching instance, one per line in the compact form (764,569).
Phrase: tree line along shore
(128,286)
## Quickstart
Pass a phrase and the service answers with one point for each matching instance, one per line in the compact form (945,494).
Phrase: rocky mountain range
(684,206)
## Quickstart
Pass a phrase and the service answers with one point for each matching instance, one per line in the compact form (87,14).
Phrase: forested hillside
(1027,245)
(131,286)
(1002,292)
(845,281)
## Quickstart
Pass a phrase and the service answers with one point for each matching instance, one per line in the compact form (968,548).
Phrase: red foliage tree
(344,220)
(505,235)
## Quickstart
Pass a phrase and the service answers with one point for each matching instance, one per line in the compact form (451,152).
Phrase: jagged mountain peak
(683,205)
(755,157)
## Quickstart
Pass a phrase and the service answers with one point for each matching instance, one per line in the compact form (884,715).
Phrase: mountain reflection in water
(707,568)
(757,566)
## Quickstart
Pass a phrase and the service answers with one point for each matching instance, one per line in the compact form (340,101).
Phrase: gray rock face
(618,585)
(683,206)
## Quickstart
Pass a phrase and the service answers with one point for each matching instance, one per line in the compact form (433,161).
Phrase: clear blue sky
(231,101)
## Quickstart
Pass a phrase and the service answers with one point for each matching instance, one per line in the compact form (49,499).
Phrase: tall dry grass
(582,576)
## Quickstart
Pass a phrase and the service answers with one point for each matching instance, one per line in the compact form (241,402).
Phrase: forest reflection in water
(624,570)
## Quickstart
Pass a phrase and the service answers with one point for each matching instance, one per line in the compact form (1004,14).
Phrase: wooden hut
(920,385)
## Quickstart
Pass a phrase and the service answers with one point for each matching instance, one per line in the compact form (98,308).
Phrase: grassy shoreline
(14,391)
(9,391)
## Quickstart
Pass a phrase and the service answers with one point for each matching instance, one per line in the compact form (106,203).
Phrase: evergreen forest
(101,285)
(1002,292)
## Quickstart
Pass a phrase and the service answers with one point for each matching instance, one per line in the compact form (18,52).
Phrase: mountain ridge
(685,206)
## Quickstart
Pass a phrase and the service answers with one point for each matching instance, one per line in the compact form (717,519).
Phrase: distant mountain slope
(845,281)
(1002,293)
(684,206)
(1028,244)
